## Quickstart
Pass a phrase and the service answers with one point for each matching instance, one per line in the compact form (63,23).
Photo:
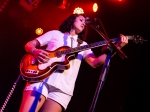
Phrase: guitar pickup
(29,71)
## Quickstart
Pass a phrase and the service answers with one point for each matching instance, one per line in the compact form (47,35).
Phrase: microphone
(91,21)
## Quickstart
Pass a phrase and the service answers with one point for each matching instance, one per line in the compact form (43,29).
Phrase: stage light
(39,31)
(95,7)
(78,10)
(62,4)
(34,3)
(3,5)
(117,0)
(29,4)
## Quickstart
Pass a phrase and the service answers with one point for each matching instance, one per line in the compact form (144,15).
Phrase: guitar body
(32,71)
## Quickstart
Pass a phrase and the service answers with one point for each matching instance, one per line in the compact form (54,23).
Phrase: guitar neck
(89,46)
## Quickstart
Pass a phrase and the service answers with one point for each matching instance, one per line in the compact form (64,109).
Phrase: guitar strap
(79,41)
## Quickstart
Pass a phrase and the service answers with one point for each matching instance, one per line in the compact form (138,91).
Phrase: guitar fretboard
(89,46)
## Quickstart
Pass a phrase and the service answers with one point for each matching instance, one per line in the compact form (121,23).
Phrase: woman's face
(79,24)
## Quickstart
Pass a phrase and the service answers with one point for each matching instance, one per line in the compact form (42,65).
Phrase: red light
(95,7)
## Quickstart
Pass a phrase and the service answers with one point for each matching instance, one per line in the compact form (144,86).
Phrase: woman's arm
(95,62)
(33,47)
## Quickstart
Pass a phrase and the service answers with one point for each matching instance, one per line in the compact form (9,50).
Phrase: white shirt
(65,81)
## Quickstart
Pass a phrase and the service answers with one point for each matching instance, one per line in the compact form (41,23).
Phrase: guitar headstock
(137,39)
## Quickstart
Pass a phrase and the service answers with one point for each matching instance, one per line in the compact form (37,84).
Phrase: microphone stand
(106,66)
(100,81)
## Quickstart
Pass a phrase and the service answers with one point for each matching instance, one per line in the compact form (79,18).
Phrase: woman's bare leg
(32,101)
(51,106)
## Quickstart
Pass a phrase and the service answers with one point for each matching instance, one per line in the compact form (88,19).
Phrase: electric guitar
(32,71)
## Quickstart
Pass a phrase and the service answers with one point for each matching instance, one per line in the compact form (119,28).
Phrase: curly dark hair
(68,24)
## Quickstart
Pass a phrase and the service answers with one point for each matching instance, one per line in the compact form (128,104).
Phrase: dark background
(127,84)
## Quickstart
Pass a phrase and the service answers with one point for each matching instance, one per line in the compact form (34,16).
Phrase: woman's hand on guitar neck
(123,41)
(41,55)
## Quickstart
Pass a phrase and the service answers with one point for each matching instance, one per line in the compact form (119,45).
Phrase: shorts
(50,92)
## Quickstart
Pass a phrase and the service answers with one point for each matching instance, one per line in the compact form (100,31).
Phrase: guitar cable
(9,95)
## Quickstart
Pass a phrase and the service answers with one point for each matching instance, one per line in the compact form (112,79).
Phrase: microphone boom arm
(120,53)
